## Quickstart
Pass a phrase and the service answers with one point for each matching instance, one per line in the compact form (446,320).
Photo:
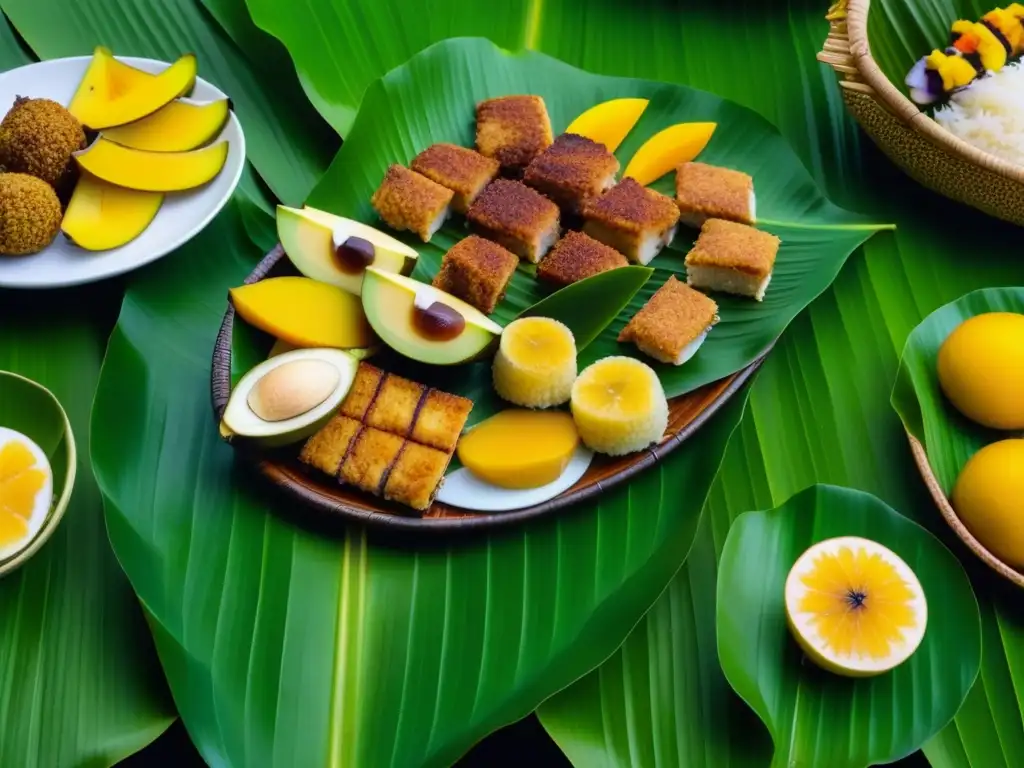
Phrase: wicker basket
(926,151)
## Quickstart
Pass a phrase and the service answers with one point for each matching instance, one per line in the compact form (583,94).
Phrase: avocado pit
(354,255)
(292,389)
(436,321)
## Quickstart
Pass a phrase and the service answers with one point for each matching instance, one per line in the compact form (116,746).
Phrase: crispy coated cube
(672,324)
(362,392)
(578,256)
(732,258)
(634,220)
(373,452)
(572,170)
(477,271)
(459,169)
(710,192)
(517,217)
(441,419)
(513,130)
(326,449)
(394,408)
(416,476)
(407,200)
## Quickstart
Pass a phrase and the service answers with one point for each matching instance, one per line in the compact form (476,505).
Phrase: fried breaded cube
(517,217)
(441,419)
(459,169)
(416,476)
(577,256)
(362,392)
(673,323)
(326,449)
(634,220)
(708,191)
(394,408)
(732,258)
(572,170)
(407,200)
(477,271)
(513,130)
(372,453)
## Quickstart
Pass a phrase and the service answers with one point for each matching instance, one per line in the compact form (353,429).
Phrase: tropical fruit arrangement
(527,197)
(98,168)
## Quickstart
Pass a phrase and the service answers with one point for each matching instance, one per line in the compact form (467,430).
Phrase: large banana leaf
(285,139)
(290,643)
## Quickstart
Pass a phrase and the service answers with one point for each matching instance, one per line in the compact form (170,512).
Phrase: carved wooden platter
(687,413)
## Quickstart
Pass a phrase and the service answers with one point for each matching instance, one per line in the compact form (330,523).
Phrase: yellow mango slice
(304,312)
(101,216)
(667,150)
(113,93)
(152,171)
(178,127)
(520,448)
(609,122)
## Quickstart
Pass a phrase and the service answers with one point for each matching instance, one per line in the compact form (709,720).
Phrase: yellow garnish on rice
(954,70)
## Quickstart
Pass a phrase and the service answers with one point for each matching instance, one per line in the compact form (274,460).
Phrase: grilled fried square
(710,192)
(441,419)
(373,452)
(459,169)
(634,220)
(416,476)
(672,324)
(513,130)
(477,271)
(517,217)
(394,408)
(407,200)
(362,392)
(732,258)
(326,449)
(572,170)
(577,256)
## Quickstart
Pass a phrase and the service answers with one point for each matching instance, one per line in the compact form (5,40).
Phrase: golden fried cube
(577,256)
(513,130)
(477,271)
(406,200)
(634,220)
(326,449)
(459,169)
(416,476)
(732,258)
(517,217)
(441,419)
(672,324)
(572,170)
(362,392)
(394,408)
(710,192)
(372,454)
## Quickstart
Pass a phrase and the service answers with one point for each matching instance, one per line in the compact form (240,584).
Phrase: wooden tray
(687,414)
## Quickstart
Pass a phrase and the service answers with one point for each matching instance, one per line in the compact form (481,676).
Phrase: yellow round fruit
(981,369)
(989,498)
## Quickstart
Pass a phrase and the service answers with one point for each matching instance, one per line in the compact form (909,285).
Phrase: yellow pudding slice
(535,365)
(520,448)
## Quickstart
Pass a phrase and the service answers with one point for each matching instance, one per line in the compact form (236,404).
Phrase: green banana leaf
(949,438)
(288,641)
(870,720)
(285,139)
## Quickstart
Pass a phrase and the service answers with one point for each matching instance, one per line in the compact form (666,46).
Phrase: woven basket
(926,151)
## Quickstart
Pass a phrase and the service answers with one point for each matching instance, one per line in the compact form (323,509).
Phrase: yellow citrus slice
(26,489)
(609,122)
(667,150)
(535,364)
(855,607)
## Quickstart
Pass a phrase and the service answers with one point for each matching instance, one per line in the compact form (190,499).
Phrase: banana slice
(535,365)
(619,406)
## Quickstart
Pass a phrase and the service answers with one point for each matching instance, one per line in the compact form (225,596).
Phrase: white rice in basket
(990,113)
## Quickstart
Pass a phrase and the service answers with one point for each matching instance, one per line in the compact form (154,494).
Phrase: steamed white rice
(990,113)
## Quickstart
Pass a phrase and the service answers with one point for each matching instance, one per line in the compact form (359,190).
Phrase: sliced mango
(152,171)
(178,127)
(304,312)
(101,216)
(609,122)
(113,93)
(667,150)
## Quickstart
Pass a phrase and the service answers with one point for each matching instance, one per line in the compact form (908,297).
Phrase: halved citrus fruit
(26,490)
(855,607)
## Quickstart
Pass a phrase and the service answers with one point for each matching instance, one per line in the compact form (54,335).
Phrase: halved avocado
(319,244)
(288,397)
(424,323)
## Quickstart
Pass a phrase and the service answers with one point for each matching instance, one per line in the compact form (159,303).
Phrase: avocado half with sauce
(289,397)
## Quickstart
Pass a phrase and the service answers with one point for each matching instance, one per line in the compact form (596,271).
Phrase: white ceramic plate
(181,217)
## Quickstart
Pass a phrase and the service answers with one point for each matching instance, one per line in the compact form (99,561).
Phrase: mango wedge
(667,150)
(178,127)
(609,122)
(101,216)
(152,171)
(113,93)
